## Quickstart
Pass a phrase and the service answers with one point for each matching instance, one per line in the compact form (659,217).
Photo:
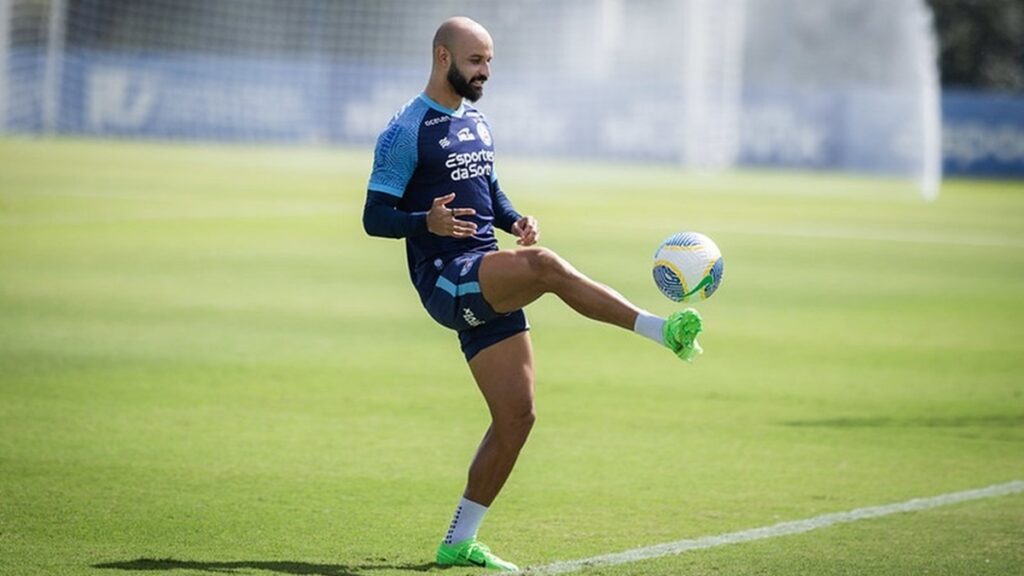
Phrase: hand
(442,221)
(527,230)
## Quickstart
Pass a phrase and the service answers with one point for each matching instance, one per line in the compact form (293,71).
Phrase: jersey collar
(430,102)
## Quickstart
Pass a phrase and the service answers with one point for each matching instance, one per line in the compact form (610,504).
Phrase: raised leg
(511,279)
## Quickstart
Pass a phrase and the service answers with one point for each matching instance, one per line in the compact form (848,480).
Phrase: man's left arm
(508,219)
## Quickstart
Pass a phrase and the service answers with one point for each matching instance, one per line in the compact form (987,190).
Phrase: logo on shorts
(465,267)
(470,318)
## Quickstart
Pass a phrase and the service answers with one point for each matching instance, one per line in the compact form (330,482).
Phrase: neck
(443,94)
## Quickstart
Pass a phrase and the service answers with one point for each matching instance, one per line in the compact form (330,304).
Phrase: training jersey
(427,151)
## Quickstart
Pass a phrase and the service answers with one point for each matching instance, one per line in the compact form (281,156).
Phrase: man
(433,183)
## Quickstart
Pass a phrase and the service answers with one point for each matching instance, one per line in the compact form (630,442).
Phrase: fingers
(443,221)
(527,231)
(462,229)
(442,200)
(449,225)
(527,240)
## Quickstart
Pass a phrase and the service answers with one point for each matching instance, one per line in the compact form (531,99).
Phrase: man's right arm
(381,217)
(394,161)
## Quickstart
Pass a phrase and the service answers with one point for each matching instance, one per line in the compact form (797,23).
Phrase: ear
(442,55)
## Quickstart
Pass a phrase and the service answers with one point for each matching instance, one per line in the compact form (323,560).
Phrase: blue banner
(203,97)
(983,134)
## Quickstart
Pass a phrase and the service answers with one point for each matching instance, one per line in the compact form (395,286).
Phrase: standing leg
(504,374)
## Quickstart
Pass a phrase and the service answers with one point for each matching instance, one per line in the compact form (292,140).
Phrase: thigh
(455,300)
(475,340)
(508,279)
(504,374)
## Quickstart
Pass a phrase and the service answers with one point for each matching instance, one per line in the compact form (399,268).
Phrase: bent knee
(515,428)
(523,419)
(547,267)
(527,419)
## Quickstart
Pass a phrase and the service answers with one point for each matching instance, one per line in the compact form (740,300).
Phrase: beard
(462,86)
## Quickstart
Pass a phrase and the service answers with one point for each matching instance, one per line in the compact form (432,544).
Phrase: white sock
(465,522)
(650,326)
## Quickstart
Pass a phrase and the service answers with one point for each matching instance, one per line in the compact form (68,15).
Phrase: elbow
(366,223)
(367,227)
(377,224)
(370,224)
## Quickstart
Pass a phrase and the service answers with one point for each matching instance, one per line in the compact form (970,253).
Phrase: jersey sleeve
(382,218)
(394,160)
(504,214)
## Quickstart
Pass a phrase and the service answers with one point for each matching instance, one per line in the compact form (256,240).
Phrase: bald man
(433,183)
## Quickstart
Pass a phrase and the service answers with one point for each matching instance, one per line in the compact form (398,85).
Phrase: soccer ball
(688,267)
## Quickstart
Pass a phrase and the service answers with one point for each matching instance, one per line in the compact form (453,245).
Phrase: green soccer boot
(472,553)
(680,334)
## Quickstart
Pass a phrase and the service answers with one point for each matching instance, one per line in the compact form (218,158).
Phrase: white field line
(776,530)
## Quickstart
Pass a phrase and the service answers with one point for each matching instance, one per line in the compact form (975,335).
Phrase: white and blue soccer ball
(688,267)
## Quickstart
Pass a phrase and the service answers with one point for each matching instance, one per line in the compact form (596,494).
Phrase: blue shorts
(456,302)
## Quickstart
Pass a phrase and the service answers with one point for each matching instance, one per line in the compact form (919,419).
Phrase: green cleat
(680,333)
(472,553)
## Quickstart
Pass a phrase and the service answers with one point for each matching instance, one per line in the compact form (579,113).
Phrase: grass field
(207,367)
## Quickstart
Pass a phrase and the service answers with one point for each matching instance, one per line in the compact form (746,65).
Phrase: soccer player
(433,183)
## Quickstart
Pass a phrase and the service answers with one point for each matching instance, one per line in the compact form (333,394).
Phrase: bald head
(455,31)
(462,58)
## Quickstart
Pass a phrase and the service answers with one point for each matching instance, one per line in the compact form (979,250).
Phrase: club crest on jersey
(485,134)
(465,135)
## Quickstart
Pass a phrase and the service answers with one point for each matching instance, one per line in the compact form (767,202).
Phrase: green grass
(207,367)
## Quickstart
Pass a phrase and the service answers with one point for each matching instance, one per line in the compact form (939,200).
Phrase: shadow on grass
(280,566)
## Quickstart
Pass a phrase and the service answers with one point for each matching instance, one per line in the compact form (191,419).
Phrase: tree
(981,43)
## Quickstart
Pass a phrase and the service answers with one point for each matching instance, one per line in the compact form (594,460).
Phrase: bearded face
(470,89)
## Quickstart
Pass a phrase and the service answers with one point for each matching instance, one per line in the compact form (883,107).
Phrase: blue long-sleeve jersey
(428,151)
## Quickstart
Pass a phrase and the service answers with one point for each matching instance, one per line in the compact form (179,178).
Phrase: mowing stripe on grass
(782,529)
(972,239)
(170,217)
